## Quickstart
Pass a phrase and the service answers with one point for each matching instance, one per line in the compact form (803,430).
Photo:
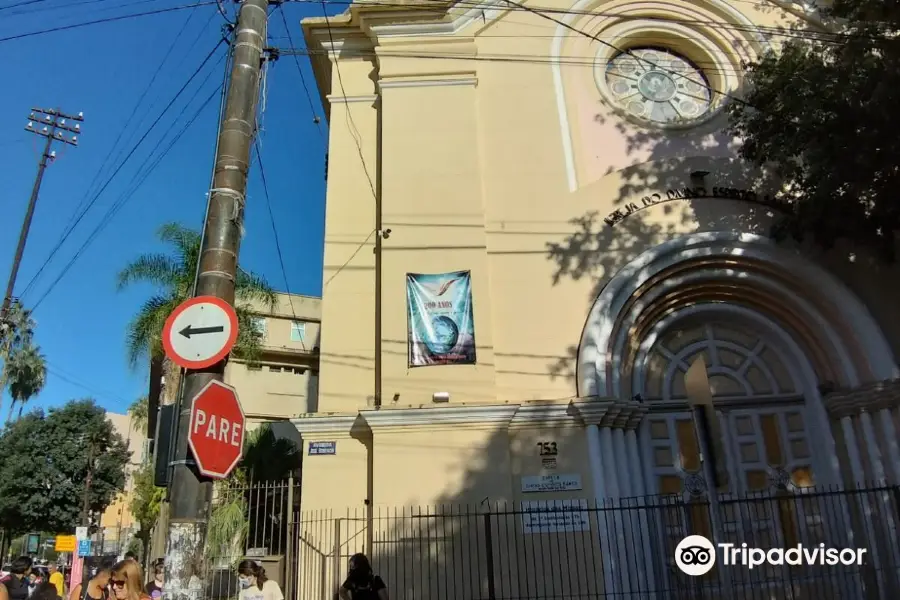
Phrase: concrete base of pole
(185,561)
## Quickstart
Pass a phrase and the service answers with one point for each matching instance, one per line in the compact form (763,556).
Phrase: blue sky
(103,70)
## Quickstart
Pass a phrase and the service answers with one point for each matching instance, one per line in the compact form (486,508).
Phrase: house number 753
(547,448)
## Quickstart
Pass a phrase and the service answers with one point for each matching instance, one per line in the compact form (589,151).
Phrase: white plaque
(551,483)
(554,516)
(81,533)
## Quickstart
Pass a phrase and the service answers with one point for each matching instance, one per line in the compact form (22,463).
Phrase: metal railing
(622,549)
(253,519)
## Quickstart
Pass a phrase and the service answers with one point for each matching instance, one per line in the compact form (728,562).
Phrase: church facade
(570,162)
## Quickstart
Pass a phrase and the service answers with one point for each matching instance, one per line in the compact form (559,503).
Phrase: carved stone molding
(870,398)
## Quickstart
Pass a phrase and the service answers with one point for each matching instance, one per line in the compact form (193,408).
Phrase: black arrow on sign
(189,331)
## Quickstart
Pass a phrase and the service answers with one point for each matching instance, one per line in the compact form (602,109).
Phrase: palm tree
(16,334)
(26,372)
(138,411)
(173,277)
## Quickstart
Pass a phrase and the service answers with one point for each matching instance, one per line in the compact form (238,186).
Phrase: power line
(499,58)
(312,108)
(121,165)
(423,6)
(354,133)
(106,161)
(18,4)
(287,287)
(106,20)
(123,200)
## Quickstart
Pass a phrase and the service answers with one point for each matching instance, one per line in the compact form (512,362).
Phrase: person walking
(16,584)
(97,586)
(127,581)
(154,587)
(362,583)
(254,583)
(57,579)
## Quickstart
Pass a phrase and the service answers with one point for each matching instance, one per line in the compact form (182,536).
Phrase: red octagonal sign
(217,430)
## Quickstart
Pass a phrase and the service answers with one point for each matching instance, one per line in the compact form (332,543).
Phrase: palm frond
(26,372)
(144,332)
(250,287)
(138,411)
(249,340)
(185,240)
(158,269)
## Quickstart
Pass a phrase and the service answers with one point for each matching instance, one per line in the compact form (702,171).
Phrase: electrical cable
(440,9)
(122,164)
(17,5)
(499,58)
(354,133)
(312,108)
(106,20)
(287,287)
(141,97)
(119,204)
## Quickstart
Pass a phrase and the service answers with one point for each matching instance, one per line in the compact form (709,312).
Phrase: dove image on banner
(441,329)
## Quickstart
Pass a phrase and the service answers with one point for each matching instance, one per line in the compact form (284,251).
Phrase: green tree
(822,111)
(24,368)
(145,502)
(172,276)
(46,462)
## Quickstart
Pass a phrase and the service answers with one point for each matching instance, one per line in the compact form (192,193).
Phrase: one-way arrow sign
(200,332)
(189,331)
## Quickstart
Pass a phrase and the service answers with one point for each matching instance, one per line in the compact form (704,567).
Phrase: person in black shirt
(362,583)
(16,584)
(154,587)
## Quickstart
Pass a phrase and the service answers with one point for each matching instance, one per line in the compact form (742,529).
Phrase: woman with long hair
(127,581)
(362,583)
(254,583)
(97,587)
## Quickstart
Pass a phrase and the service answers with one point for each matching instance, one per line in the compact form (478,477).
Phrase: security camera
(386,234)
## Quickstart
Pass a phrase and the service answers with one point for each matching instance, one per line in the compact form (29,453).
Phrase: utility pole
(191,495)
(50,124)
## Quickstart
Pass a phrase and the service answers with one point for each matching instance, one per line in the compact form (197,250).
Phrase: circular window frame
(686,43)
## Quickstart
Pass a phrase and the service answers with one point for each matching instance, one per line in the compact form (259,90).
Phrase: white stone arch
(564,31)
(597,348)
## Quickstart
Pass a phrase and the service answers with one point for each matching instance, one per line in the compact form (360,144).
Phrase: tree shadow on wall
(474,541)
(686,181)
(479,541)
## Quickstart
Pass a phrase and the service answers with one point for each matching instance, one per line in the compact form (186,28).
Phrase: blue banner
(441,328)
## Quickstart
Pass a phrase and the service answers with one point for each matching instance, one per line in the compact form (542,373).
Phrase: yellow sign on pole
(65,543)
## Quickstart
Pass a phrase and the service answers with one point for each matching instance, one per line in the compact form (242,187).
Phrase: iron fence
(252,520)
(616,549)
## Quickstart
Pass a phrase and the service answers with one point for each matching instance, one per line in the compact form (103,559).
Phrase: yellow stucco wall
(472,176)
(487,159)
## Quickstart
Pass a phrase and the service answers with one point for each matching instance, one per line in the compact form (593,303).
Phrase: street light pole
(50,124)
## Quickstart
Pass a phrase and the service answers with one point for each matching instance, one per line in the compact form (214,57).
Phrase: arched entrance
(772,327)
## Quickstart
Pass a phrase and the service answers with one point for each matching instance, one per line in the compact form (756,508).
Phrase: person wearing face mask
(254,583)
(362,583)
(154,588)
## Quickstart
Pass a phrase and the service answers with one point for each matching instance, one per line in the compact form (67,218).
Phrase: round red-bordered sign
(200,332)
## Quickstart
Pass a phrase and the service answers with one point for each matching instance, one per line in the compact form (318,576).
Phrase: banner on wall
(440,328)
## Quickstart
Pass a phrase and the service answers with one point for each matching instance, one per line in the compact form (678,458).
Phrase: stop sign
(217,430)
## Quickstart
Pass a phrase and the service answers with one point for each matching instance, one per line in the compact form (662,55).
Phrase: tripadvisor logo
(695,555)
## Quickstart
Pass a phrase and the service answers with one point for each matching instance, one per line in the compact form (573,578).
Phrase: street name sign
(200,332)
(216,436)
